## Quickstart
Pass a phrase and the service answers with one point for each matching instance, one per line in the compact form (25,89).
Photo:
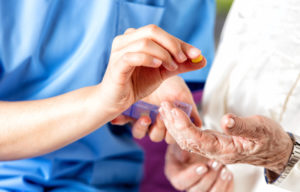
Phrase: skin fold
(255,140)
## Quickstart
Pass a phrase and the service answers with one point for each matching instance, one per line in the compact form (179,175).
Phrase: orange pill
(198,59)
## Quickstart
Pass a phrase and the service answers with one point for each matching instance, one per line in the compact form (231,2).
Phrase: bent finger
(122,120)
(157,130)
(149,47)
(249,127)
(183,178)
(223,182)
(206,183)
(184,67)
(161,37)
(140,127)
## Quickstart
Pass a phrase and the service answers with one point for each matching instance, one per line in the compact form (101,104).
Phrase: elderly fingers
(187,135)
(248,127)
(176,123)
(208,143)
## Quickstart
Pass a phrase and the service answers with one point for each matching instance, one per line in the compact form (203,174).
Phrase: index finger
(177,48)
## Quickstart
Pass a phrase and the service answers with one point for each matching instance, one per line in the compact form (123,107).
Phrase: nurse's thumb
(248,127)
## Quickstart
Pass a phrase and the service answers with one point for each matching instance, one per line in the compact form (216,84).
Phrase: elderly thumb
(249,127)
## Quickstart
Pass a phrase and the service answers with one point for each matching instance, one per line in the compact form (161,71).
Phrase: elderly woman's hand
(193,173)
(255,140)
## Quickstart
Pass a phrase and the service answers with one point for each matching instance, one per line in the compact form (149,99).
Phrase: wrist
(276,176)
(279,166)
(104,98)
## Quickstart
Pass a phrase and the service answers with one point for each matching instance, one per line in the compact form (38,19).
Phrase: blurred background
(223,7)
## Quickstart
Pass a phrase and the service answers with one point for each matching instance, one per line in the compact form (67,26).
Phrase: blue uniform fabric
(50,47)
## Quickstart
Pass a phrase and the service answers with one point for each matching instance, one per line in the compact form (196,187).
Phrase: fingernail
(173,65)
(201,170)
(224,174)
(229,177)
(194,53)
(229,122)
(181,56)
(175,112)
(215,165)
(157,62)
(144,123)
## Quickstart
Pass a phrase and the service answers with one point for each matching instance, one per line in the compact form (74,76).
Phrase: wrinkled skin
(255,140)
(193,173)
(171,89)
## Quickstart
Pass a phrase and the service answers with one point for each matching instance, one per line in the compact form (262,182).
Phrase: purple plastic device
(142,108)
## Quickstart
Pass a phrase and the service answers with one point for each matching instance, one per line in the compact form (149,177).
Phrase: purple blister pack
(142,108)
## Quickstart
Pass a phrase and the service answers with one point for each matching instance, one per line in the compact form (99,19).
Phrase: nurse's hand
(255,140)
(193,173)
(172,89)
(141,59)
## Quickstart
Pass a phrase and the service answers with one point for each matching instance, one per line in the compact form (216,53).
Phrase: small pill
(198,59)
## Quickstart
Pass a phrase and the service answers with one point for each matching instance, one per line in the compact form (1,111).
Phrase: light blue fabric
(48,48)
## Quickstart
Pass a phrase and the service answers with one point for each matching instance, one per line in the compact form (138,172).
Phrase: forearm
(33,128)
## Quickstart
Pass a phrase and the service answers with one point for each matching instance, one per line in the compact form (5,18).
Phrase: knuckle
(177,184)
(176,47)
(145,43)
(129,30)
(259,118)
(116,40)
(126,57)
(261,122)
(152,28)
(165,57)
(143,58)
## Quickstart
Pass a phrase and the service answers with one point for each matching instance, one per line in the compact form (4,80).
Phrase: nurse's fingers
(122,120)
(169,139)
(157,131)
(209,179)
(224,182)
(150,48)
(180,175)
(178,49)
(129,30)
(130,60)
(184,67)
(140,127)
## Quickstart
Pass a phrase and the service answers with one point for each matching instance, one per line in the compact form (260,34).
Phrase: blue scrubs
(48,48)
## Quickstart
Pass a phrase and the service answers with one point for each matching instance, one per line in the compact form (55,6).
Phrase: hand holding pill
(141,59)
